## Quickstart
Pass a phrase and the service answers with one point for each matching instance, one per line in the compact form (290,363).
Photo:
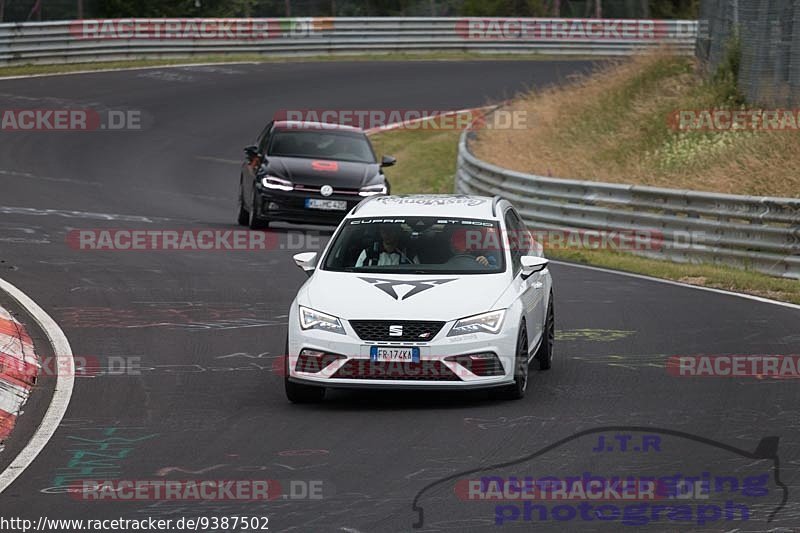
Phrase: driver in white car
(387,251)
(462,245)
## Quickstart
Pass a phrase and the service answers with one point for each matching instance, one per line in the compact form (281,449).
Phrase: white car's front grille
(396,330)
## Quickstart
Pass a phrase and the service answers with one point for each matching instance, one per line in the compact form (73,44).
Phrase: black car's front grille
(312,189)
(422,371)
(396,330)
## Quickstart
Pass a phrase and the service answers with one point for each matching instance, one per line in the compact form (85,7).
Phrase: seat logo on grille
(389,286)
(395,330)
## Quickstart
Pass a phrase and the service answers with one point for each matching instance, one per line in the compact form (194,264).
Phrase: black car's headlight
(490,322)
(274,182)
(372,190)
(312,319)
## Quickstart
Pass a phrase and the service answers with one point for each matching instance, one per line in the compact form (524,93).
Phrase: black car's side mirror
(387,161)
(251,151)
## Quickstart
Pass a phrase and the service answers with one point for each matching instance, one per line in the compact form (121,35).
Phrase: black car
(308,172)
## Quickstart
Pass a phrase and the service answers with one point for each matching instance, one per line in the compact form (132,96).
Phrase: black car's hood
(318,172)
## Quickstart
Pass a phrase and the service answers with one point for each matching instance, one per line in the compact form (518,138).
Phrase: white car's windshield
(424,245)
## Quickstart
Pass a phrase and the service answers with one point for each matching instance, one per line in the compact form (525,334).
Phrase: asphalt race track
(207,328)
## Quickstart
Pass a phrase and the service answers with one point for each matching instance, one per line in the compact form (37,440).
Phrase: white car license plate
(330,205)
(394,353)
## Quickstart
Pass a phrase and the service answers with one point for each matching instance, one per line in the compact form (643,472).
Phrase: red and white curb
(19,367)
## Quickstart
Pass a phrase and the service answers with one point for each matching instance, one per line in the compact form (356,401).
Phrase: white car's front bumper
(355,370)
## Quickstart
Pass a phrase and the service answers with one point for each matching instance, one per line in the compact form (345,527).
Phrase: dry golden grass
(612,126)
(426,164)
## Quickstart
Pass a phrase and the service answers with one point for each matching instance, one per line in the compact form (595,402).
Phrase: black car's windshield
(321,144)
(424,245)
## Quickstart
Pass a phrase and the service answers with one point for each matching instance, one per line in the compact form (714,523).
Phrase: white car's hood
(403,297)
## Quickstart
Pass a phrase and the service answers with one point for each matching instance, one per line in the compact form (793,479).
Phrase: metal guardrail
(758,233)
(111,40)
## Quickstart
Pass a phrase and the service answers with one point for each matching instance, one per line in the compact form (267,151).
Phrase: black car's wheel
(256,221)
(297,392)
(516,390)
(244,215)
(544,355)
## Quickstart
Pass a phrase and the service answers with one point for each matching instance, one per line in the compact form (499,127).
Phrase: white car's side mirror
(532,264)
(307,261)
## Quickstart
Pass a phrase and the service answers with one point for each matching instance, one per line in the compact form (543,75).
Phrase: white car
(422,291)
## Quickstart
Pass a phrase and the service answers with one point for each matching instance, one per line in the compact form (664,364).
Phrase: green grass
(426,159)
(28,70)
(611,111)
(426,163)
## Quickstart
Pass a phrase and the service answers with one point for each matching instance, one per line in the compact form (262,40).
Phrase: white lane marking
(61,396)
(122,69)
(47,178)
(10,210)
(4,173)
(218,160)
(167,76)
(680,284)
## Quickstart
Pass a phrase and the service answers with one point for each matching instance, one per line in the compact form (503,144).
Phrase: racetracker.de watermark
(176,490)
(582,488)
(191,240)
(87,119)
(734,366)
(80,366)
(375,120)
(572,30)
(251,29)
(739,120)
(488,239)
(445,367)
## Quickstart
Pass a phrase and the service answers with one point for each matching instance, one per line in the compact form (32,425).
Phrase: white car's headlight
(311,319)
(490,322)
(273,182)
(372,190)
